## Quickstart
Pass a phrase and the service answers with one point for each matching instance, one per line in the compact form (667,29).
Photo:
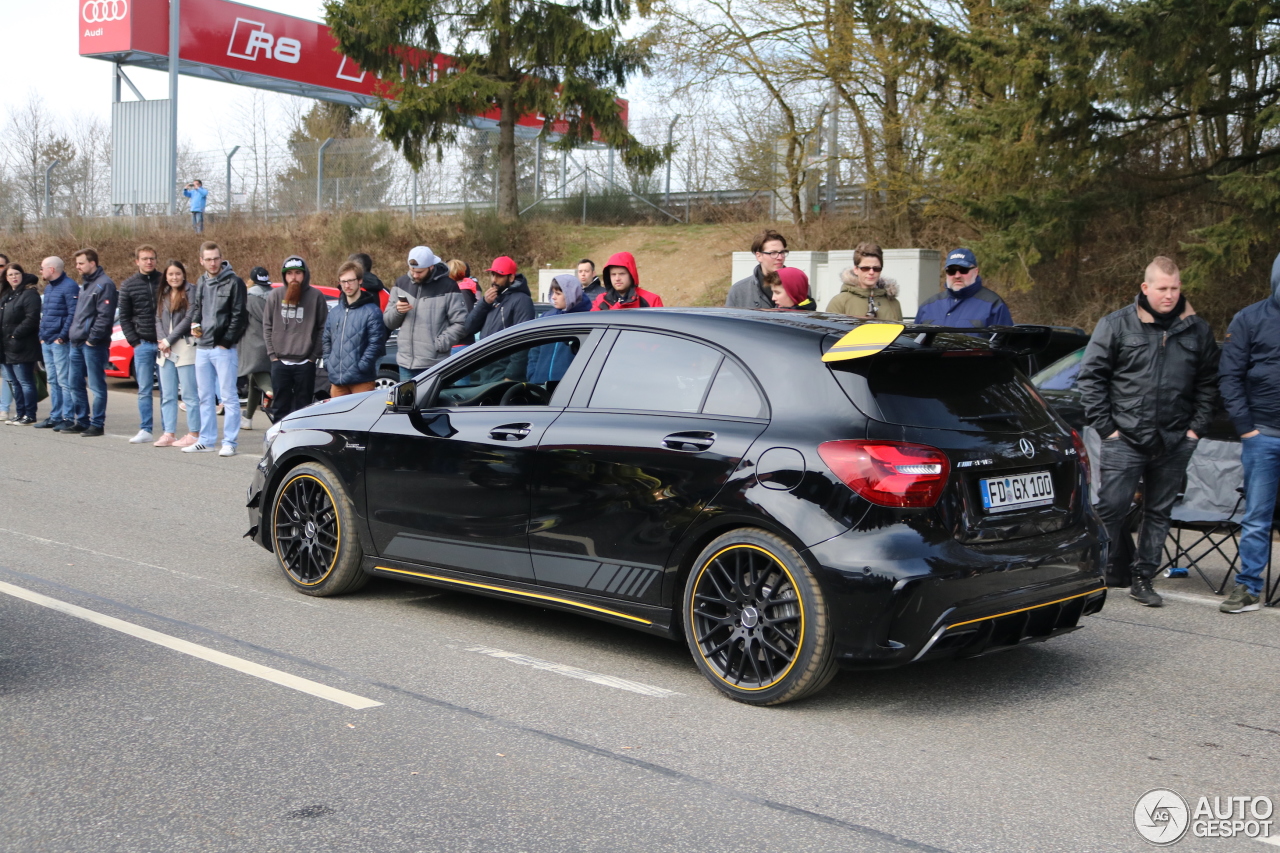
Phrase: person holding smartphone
(427,307)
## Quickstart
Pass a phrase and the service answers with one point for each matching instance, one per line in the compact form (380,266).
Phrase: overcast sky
(48,63)
(45,37)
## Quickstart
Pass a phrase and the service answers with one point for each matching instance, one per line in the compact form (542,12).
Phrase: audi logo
(103,11)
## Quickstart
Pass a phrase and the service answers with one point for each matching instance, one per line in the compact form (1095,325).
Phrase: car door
(650,436)
(448,484)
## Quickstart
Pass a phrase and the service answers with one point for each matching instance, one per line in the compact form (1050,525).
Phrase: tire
(387,379)
(313,533)
(756,620)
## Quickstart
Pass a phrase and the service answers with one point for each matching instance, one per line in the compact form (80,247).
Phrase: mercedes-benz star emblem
(1027,450)
(103,11)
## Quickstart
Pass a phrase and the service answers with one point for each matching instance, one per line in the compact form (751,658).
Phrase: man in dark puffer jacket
(354,335)
(55,332)
(138,323)
(1147,380)
(1249,377)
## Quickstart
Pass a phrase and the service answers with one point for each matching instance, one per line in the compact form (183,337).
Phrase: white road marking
(1274,841)
(284,679)
(1214,601)
(292,599)
(575,672)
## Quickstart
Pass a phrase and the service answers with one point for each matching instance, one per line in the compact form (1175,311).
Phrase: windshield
(1061,375)
(978,393)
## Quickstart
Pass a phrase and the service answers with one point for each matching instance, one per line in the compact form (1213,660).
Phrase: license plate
(1021,491)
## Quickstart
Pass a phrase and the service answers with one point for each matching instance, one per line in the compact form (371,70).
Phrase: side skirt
(651,620)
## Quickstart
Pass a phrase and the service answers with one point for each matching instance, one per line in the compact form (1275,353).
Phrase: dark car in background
(705,475)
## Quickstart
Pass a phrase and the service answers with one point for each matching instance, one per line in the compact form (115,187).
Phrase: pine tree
(519,56)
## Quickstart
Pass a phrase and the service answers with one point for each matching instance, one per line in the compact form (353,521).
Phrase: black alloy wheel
(313,535)
(757,621)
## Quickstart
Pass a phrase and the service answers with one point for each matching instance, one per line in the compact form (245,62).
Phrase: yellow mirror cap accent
(867,339)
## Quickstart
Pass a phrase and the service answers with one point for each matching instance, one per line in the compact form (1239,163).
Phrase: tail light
(1083,453)
(889,473)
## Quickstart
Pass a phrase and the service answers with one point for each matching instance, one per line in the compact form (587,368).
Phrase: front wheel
(313,533)
(756,620)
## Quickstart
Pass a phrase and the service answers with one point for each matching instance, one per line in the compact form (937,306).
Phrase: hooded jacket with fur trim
(852,299)
(634,297)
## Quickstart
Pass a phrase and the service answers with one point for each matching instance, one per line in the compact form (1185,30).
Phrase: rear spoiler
(871,338)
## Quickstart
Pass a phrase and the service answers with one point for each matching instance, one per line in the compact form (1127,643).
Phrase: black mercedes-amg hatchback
(789,493)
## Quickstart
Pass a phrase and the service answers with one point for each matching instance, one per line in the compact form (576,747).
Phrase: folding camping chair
(1195,534)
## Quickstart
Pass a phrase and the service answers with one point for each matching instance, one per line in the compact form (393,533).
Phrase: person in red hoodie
(622,286)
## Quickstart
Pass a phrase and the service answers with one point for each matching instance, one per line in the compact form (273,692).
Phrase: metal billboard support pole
(230,154)
(537,168)
(320,173)
(175,40)
(671,129)
(48,170)
(833,158)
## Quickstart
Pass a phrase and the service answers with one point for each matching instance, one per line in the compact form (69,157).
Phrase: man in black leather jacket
(1148,381)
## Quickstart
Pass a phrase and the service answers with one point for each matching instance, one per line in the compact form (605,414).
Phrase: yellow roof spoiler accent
(867,339)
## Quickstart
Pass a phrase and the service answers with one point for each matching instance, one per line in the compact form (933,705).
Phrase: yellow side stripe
(519,592)
(1024,609)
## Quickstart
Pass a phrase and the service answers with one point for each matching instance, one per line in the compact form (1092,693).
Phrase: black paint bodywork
(595,515)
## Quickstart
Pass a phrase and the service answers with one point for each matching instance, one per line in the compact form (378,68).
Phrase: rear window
(968,393)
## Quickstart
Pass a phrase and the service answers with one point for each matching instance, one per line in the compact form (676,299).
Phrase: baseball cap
(503,266)
(961,258)
(421,256)
(260,275)
(294,263)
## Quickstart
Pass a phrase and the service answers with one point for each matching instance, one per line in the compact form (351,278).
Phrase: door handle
(510,432)
(689,441)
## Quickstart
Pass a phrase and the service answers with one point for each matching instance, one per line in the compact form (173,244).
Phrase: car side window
(734,394)
(523,375)
(655,372)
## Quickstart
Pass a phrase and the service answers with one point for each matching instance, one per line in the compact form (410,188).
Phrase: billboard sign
(246,45)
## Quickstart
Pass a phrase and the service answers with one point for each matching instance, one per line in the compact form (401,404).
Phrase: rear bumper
(896,597)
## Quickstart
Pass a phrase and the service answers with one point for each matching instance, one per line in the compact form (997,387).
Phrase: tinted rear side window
(973,394)
(657,373)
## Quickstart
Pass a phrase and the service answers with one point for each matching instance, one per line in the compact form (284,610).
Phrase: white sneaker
(197,448)
(143,437)
(227,450)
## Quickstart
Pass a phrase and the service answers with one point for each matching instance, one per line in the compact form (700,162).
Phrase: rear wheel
(756,620)
(313,533)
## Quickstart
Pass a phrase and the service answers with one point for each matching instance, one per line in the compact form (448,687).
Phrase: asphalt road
(494,726)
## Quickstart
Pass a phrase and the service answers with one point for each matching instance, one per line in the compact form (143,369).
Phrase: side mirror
(404,397)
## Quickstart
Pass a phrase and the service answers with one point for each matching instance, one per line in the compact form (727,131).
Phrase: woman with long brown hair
(177,357)
(19,334)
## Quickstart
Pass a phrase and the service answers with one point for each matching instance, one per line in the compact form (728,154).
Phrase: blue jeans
(55,365)
(6,396)
(197,221)
(144,369)
(1261,458)
(22,383)
(172,379)
(216,369)
(89,363)
(406,374)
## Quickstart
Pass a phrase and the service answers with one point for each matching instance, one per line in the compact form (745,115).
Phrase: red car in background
(120,358)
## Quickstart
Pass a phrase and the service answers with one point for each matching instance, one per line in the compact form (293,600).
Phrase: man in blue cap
(965,301)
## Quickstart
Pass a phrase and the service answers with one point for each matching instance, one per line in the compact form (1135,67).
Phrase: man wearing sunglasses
(965,302)
(770,249)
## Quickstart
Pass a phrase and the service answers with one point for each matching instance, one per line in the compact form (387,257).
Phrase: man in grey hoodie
(293,330)
(428,309)
(218,320)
